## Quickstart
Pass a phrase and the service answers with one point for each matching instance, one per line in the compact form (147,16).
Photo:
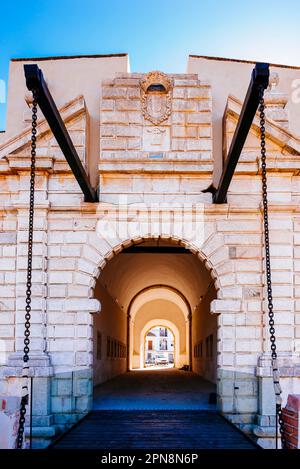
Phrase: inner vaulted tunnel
(153,284)
(148,285)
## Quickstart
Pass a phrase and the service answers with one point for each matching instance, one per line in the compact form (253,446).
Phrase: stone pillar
(266,417)
(39,264)
(43,428)
(40,372)
(40,369)
(226,375)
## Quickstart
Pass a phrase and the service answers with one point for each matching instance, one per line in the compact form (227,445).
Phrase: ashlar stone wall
(136,155)
(69,253)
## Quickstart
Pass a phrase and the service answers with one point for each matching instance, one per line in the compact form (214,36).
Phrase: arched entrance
(159,304)
(158,345)
(129,284)
(154,283)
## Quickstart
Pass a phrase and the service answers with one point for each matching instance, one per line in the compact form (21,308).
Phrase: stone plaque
(156,139)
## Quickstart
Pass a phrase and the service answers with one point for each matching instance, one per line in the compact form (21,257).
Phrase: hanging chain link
(25,393)
(275,369)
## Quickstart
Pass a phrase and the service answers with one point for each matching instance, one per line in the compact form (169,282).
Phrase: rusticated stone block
(8,237)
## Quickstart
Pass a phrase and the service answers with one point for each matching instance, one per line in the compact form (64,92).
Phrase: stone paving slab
(169,389)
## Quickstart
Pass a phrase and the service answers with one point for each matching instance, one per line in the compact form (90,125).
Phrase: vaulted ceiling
(127,274)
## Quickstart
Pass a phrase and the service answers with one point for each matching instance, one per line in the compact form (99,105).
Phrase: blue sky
(157,34)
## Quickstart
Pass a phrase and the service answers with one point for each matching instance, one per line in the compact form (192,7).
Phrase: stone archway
(148,295)
(98,254)
(90,259)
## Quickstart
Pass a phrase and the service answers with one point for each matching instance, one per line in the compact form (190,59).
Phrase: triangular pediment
(283,148)
(15,152)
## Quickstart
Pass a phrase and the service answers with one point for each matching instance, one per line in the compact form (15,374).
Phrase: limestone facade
(151,178)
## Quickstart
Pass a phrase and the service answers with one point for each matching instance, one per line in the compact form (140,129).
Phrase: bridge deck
(154,409)
(176,429)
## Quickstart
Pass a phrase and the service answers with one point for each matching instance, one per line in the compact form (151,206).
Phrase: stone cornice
(69,111)
(96,209)
(289,143)
(206,209)
(20,163)
(159,166)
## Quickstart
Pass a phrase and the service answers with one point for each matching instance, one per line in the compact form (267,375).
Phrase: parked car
(161,360)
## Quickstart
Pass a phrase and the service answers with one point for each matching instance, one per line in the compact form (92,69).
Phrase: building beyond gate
(151,143)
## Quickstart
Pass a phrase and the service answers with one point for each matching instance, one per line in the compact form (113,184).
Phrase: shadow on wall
(205,337)
(237,394)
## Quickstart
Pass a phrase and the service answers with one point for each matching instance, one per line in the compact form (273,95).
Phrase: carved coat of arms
(156,96)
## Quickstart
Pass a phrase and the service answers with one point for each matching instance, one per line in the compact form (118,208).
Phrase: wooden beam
(259,78)
(35,82)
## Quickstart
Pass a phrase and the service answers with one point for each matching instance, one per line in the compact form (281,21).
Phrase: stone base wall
(58,402)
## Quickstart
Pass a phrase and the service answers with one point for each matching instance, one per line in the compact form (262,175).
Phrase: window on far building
(163,344)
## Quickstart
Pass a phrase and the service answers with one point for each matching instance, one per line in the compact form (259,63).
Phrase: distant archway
(165,292)
(160,323)
(171,298)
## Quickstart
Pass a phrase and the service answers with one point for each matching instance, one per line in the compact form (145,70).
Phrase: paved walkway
(154,430)
(168,389)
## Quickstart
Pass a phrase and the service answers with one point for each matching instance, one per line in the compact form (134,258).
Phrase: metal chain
(25,393)
(275,368)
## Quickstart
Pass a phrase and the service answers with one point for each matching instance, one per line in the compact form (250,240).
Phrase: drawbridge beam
(36,83)
(259,78)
